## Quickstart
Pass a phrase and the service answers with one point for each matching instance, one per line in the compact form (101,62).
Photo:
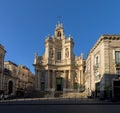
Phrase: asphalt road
(59,108)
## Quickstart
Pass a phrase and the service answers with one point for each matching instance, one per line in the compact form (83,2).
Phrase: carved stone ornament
(67,52)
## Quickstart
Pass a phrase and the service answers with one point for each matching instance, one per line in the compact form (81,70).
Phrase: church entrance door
(10,87)
(75,86)
(59,84)
(42,86)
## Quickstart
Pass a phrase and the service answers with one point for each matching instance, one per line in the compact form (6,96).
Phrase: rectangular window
(117,57)
(118,71)
(96,61)
(58,55)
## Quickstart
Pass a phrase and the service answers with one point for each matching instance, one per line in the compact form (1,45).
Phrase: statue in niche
(67,52)
(51,53)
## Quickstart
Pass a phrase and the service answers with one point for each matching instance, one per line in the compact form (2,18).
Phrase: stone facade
(17,78)
(59,69)
(2,54)
(103,65)
(26,78)
(10,82)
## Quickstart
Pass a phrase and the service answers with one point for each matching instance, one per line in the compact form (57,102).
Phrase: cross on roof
(59,18)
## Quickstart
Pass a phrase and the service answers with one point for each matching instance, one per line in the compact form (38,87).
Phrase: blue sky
(24,25)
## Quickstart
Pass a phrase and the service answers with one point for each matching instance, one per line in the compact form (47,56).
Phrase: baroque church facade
(59,69)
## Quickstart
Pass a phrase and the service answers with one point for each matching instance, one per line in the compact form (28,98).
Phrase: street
(59,108)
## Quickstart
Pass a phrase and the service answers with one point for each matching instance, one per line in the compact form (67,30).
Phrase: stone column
(39,81)
(1,78)
(36,80)
(65,79)
(0,81)
(72,79)
(79,78)
(48,79)
(54,79)
(4,83)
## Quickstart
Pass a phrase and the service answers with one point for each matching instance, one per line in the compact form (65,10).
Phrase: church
(58,69)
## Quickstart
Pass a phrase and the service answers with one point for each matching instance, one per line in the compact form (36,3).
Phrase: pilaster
(36,79)
(48,79)
(72,79)
(65,81)
(39,81)
(54,79)
(79,79)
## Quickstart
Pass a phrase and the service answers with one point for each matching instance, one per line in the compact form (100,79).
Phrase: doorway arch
(10,87)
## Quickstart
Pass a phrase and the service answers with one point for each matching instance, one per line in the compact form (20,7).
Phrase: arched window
(10,87)
(59,34)
(97,61)
(59,55)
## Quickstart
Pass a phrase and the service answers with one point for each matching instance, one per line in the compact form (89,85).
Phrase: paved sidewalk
(57,101)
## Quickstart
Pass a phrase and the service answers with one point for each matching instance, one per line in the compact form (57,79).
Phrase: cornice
(108,37)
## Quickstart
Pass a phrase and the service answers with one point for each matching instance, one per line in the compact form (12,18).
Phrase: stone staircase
(60,94)
(74,95)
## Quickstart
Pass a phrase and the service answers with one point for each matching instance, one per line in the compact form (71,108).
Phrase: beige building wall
(59,64)
(25,77)
(10,77)
(2,55)
(101,65)
(31,81)
(17,78)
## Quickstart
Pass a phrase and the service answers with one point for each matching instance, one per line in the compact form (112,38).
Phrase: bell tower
(59,31)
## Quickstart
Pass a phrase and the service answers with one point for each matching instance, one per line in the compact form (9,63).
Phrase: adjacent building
(17,78)
(58,69)
(103,67)
(10,77)
(2,55)
(25,78)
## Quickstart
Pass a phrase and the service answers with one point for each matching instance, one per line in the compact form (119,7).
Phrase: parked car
(9,96)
